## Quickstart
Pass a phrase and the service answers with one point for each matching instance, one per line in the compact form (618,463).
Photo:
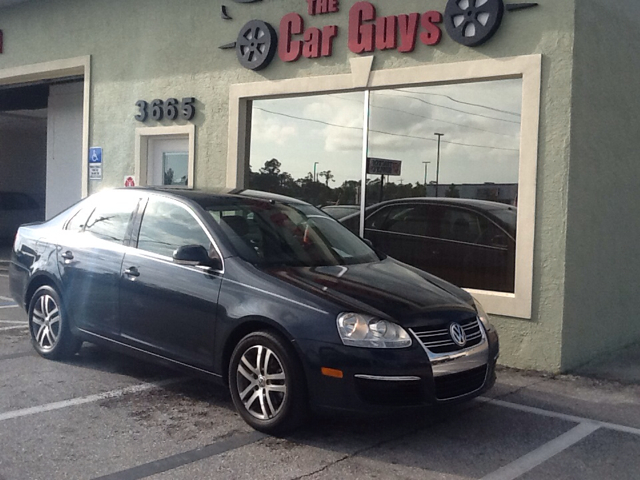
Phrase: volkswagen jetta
(263,293)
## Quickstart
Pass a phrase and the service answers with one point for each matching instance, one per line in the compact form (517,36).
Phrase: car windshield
(275,233)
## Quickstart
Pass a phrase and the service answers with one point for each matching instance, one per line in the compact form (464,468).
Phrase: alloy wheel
(45,322)
(261,382)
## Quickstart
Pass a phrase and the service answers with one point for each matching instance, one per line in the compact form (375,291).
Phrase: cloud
(480,122)
(269,129)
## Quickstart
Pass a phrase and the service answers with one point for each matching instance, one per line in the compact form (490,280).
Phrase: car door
(168,308)
(472,251)
(90,257)
(400,232)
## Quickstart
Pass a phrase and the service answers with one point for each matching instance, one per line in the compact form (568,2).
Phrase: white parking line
(47,407)
(15,327)
(9,306)
(561,416)
(13,322)
(540,455)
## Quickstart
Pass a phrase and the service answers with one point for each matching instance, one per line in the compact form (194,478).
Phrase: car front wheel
(267,383)
(49,327)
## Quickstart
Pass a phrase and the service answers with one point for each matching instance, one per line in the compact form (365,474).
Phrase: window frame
(146,134)
(362,78)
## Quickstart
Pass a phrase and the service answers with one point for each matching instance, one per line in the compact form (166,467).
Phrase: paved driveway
(105,416)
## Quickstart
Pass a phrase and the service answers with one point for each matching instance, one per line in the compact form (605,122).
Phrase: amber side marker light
(332,372)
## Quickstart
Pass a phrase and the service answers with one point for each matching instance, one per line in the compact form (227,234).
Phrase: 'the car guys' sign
(468,22)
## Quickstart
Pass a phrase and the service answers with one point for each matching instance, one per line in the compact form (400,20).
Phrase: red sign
(367,31)
(129,181)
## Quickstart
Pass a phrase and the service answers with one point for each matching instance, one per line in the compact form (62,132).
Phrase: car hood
(387,289)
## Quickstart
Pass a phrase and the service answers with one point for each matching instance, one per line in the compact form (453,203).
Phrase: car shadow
(192,405)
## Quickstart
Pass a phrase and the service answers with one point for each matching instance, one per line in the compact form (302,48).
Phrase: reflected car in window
(262,293)
(470,243)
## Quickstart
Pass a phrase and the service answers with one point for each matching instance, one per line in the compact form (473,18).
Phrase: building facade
(350,102)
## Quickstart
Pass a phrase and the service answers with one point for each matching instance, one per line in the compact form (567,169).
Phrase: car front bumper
(375,379)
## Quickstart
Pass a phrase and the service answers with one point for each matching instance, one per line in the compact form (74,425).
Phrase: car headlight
(365,331)
(482,315)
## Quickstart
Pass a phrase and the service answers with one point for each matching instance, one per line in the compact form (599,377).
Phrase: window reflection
(175,168)
(447,155)
(308,148)
(167,226)
(109,221)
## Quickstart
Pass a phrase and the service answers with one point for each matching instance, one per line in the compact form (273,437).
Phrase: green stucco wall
(601,290)
(146,49)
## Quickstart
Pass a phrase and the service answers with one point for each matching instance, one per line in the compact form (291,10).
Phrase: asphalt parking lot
(105,416)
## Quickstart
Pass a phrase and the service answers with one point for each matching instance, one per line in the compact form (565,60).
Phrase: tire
(267,384)
(49,326)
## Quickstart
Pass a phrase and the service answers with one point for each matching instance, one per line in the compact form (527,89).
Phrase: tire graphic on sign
(473,22)
(256,45)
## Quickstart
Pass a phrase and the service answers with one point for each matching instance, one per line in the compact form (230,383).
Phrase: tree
(327,176)
(271,167)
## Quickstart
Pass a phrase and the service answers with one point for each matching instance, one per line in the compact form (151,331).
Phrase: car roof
(210,196)
(473,204)
(468,202)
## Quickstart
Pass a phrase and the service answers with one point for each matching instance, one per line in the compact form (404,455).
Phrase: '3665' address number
(172,109)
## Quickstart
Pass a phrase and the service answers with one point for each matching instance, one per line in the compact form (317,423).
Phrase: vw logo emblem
(457,334)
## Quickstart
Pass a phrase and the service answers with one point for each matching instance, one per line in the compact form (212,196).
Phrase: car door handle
(132,272)
(67,255)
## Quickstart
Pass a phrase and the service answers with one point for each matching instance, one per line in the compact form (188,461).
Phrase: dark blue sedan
(265,294)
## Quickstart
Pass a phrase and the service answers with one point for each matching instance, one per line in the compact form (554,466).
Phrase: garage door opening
(41,127)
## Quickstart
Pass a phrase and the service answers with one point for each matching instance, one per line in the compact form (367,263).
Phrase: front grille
(458,384)
(440,341)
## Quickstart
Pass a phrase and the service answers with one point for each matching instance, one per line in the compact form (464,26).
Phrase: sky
(480,122)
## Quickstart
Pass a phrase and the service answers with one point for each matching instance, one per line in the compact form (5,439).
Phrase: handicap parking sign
(95,155)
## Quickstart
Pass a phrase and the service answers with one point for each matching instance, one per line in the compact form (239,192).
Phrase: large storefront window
(442,171)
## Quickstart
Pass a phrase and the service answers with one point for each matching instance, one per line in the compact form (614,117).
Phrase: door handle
(132,272)
(67,255)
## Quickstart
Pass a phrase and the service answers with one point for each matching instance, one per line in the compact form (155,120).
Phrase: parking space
(106,416)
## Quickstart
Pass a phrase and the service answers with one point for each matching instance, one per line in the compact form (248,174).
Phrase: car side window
(110,219)
(468,227)
(408,219)
(167,225)
(376,220)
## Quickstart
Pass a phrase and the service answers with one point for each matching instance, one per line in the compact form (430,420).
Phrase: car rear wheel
(49,327)
(267,383)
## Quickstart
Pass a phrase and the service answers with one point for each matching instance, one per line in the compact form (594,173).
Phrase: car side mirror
(195,255)
(368,242)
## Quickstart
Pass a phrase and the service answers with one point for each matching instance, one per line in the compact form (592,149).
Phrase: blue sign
(95,155)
